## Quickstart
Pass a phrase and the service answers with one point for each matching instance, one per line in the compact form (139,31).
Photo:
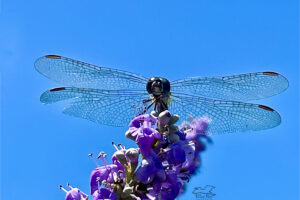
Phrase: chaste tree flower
(161,166)
(74,193)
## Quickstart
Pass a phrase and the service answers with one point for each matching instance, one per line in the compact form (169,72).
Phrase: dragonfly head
(158,86)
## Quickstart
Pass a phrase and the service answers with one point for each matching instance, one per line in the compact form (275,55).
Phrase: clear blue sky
(42,148)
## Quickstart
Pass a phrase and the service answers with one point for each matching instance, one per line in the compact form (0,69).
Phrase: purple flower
(171,187)
(198,127)
(181,135)
(192,161)
(104,193)
(176,155)
(145,120)
(107,172)
(165,190)
(74,193)
(141,131)
(145,139)
(151,167)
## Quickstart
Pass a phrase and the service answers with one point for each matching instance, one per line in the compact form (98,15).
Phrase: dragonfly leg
(146,100)
(161,106)
(147,107)
(165,106)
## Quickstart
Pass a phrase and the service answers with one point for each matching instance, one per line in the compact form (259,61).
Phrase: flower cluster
(166,157)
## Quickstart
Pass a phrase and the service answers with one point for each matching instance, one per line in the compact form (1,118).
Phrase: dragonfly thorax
(158,86)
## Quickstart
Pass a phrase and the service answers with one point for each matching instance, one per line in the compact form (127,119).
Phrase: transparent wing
(226,116)
(79,74)
(114,108)
(243,87)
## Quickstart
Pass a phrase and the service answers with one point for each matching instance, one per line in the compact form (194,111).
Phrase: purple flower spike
(104,193)
(170,155)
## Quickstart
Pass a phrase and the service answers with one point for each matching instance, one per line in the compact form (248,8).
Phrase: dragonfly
(107,96)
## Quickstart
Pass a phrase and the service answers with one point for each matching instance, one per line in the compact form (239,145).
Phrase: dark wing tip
(271,73)
(53,56)
(266,108)
(284,83)
(57,89)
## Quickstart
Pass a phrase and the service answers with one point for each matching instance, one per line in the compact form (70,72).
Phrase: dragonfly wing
(82,75)
(243,87)
(114,108)
(226,116)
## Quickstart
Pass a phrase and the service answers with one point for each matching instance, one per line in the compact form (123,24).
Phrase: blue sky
(42,148)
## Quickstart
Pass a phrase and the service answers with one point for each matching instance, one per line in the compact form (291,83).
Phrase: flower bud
(121,157)
(164,118)
(132,155)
